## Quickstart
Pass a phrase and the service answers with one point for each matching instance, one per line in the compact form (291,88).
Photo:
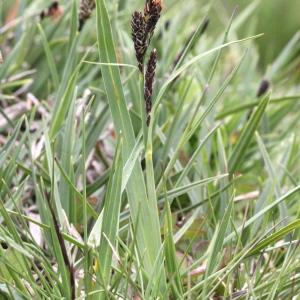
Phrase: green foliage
(95,204)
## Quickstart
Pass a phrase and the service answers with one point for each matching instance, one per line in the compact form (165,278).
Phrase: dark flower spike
(149,83)
(263,88)
(139,37)
(52,11)
(42,15)
(86,9)
(54,5)
(151,14)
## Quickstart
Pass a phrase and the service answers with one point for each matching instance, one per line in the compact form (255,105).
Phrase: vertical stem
(60,238)
(85,234)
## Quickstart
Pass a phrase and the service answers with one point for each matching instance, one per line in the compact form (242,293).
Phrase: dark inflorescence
(149,82)
(138,27)
(263,88)
(52,11)
(152,14)
(143,26)
(85,11)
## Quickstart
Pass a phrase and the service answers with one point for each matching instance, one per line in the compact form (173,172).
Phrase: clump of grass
(213,213)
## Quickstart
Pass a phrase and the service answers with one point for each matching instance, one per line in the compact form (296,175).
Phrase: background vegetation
(202,204)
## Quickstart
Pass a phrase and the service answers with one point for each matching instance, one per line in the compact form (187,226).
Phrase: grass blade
(275,237)
(238,153)
(111,215)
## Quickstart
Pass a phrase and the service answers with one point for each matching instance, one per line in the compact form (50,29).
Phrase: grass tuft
(145,152)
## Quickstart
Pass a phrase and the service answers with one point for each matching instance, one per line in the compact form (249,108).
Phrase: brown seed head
(54,11)
(149,83)
(152,14)
(85,11)
(42,15)
(54,5)
(263,88)
(139,37)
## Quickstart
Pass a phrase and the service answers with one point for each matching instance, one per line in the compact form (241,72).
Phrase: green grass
(202,204)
